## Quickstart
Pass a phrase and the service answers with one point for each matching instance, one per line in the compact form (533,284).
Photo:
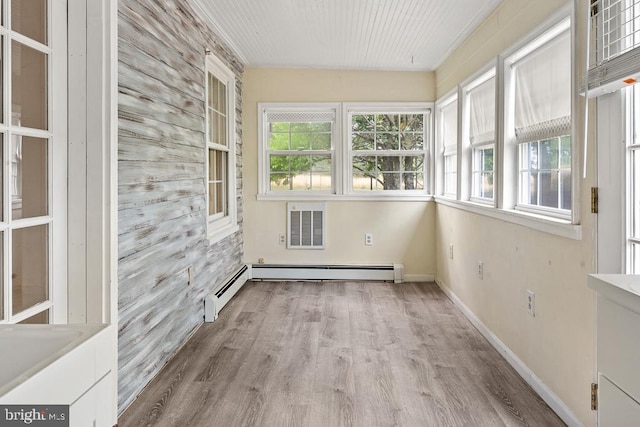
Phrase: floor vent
(385,272)
(216,300)
(306,225)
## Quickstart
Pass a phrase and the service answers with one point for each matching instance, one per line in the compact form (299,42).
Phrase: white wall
(558,343)
(404,232)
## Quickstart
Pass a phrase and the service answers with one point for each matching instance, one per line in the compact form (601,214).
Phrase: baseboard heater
(385,272)
(216,300)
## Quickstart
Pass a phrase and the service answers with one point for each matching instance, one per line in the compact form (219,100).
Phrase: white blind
(482,112)
(449,114)
(615,45)
(543,91)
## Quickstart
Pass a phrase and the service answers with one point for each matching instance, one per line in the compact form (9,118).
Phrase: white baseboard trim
(536,383)
(419,277)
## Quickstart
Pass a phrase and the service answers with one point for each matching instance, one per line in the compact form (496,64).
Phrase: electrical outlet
(282,239)
(451,250)
(531,303)
(368,239)
(480,270)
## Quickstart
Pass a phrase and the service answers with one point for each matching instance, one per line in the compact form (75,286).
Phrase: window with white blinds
(448,140)
(614,59)
(539,104)
(481,98)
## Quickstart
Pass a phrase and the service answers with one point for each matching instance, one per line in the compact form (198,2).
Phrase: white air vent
(306,225)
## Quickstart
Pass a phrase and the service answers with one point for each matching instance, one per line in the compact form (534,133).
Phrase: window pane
(548,187)
(412,122)
(549,154)
(222,98)
(300,141)
(2,83)
(387,141)
(29,17)
(363,141)
(41,318)
(29,86)
(212,97)
(29,177)
(363,123)
(565,152)
(634,258)
(279,141)
(634,195)
(321,141)
(565,189)
(222,130)
(213,125)
(387,122)
(30,267)
(217,182)
(412,141)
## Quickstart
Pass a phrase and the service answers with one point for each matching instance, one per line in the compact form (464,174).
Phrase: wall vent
(306,225)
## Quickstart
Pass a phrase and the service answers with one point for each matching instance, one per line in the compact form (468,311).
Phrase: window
(220,158)
(306,153)
(387,149)
(33,136)
(481,125)
(299,148)
(539,102)
(448,142)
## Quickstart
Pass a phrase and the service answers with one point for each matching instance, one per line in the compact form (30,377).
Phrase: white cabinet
(75,367)
(618,348)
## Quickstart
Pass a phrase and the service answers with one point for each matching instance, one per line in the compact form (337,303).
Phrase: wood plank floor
(338,354)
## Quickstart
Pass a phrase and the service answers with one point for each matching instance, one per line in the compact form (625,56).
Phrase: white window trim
(341,153)
(219,228)
(505,162)
(441,151)
(263,158)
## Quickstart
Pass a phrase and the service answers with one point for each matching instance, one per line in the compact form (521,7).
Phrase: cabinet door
(92,409)
(615,408)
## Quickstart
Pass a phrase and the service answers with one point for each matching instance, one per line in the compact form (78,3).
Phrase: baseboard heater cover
(216,300)
(385,272)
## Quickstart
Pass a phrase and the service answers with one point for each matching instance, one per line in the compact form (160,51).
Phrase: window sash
(483,171)
(545,182)
(299,164)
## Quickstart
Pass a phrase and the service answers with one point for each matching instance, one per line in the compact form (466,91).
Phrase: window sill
(347,197)
(217,234)
(558,227)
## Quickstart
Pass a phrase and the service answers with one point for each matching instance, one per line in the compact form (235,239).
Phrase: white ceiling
(345,34)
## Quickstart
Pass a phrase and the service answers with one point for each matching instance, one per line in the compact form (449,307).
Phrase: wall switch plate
(368,239)
(480,270)
(282,239)
(451,250)
(531,303)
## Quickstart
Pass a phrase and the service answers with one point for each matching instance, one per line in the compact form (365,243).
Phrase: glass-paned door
(28,132)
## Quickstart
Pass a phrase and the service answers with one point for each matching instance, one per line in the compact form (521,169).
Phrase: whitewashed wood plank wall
(161,196)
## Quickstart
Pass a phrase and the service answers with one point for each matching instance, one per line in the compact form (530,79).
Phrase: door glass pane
(41,318)
(29,86)
(29,17)
(30,267)
(29,177)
